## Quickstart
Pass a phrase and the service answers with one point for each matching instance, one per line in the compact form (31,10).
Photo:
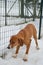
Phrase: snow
(35,57)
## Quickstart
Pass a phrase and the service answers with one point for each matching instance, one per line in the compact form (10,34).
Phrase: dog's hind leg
(35,38)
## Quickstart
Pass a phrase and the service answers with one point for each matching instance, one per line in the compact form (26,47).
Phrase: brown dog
(24,37)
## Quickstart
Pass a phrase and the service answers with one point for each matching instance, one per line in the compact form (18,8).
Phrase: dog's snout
(8,47)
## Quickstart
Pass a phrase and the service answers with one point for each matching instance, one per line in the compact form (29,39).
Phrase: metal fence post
(40,19)
(5,12)
(22,8)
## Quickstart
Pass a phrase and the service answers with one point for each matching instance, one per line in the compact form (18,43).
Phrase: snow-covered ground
(35,57)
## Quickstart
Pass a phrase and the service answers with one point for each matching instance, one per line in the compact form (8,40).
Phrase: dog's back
(30,28)
(30,31)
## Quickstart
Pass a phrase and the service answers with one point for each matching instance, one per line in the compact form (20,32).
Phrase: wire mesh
(13,10)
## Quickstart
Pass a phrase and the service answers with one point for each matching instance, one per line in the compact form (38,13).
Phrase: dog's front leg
(26,54)
(17,50)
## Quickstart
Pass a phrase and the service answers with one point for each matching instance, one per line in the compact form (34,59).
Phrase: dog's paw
(37,48)
(25,58)
(14,55)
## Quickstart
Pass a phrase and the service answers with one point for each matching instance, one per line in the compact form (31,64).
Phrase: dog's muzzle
(8,47)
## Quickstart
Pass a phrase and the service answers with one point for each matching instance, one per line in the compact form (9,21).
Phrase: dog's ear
(20,41)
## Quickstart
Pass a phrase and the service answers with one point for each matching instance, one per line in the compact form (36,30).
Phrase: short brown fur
(24,37)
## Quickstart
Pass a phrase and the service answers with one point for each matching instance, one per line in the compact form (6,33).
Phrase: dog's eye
(13,41)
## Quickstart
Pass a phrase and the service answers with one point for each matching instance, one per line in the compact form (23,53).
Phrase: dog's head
(14,41)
